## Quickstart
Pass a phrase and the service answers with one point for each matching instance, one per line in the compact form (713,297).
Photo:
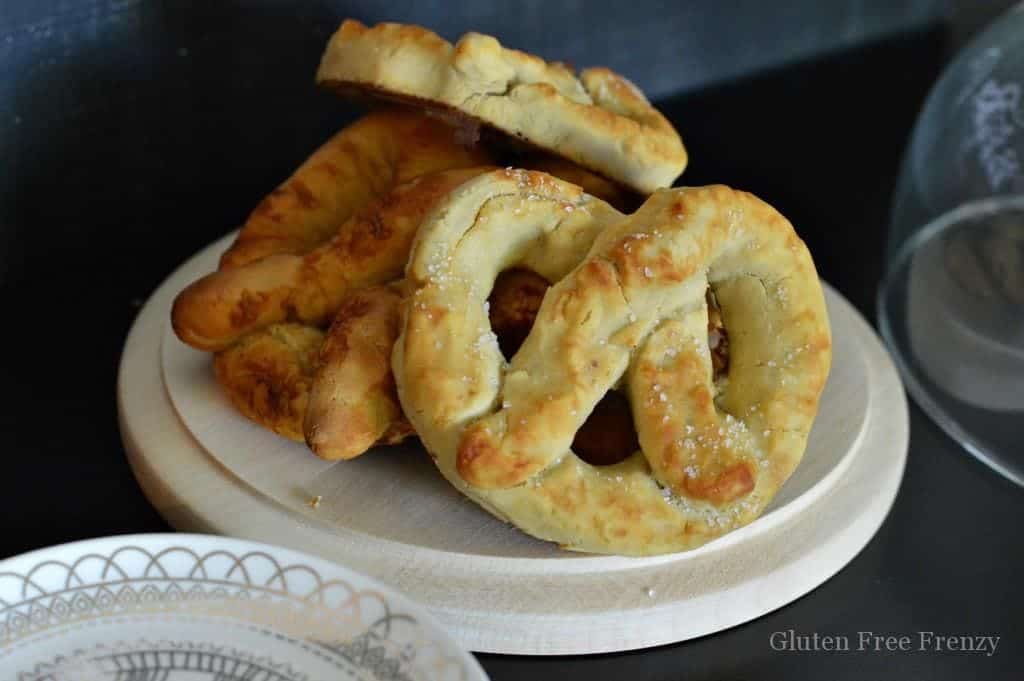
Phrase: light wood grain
(392,516)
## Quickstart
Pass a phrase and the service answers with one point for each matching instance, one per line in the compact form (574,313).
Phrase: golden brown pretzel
(363,161)
(369,248)
(633,311)
(598,120)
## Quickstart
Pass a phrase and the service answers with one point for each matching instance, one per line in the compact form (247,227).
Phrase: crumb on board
(315,501)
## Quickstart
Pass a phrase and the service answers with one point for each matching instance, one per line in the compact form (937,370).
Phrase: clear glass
(951,306)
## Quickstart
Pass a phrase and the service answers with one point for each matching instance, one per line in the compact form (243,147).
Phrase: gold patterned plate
(181,607)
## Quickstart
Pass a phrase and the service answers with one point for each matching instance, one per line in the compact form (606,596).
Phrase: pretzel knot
(628,311)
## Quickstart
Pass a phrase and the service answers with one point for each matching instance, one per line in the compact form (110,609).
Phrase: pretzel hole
(608,436)
(514,302)
(718,338)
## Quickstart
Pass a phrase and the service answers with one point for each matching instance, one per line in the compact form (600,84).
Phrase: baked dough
(363,161)
(600,120)
(267,376)
(632,314)
(368,249)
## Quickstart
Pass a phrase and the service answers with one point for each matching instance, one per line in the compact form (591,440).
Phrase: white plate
(180,607)
(390,514)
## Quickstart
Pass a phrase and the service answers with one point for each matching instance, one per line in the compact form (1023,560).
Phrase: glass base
(951,309)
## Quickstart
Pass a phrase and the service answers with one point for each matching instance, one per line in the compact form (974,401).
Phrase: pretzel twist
(632,314)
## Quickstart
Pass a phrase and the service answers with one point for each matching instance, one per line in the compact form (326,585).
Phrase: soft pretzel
(368,249)
(633,314)
(600,120)
(363,161)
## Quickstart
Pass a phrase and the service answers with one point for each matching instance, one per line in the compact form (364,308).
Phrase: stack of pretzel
(491,260)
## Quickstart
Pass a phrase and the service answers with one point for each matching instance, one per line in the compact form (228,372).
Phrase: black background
(120,162)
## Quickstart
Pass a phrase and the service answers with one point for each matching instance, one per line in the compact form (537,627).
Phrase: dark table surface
(83,247)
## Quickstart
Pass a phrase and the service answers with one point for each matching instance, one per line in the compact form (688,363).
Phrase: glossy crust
(600,120)
(267,376)
(368,249)
(362,162)
(632,312)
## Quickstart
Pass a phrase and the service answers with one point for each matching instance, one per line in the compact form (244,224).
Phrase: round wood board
(389,514)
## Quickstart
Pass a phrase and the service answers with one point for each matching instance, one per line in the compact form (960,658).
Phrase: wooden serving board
(390,514)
